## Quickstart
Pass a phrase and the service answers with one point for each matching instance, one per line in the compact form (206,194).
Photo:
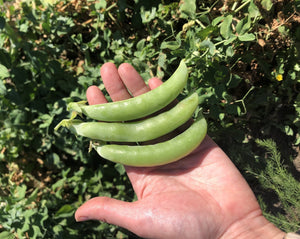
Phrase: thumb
(112,211)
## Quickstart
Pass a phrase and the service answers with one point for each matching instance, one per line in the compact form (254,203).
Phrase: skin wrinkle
(141,191)
(149,187)
(200,223)
(256,213)
(166,214)
(95,207)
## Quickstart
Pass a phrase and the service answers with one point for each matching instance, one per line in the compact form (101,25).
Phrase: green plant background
(243,58)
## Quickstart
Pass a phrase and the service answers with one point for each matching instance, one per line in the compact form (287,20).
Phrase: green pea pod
(140,106)
(157,154)
(139,131)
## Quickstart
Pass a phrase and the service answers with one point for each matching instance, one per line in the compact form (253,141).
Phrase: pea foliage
(243,58)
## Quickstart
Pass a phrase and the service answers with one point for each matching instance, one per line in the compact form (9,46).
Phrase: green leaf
(47,120)
(148,16)
(46,27)
(229,51)
(32,197)
(2,88)
(247,37)
(208,44)
(49,2)
(216,21)
(4,73)
(20,192)
(100,4)
(288,130)
(162,61)
(243,26)
(53,160)
(171,45)
(230,39)
(221,116)
(239,26)
(253,10)
(7,235)
(267,4)
(36,232)
(204,33)
(225,28)
(187,9)
(120,168)
(65,211)
(24,28)
(140,45)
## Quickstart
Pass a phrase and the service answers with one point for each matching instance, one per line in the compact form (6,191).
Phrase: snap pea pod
(156,154)
(137,107)
(139,131)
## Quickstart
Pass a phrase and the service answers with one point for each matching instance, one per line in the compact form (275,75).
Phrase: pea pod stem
(156,154)
(138,131)
(140,106)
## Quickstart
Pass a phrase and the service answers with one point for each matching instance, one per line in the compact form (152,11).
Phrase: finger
(95,96)
(154,82)
(113,83)
(112,211)
(132,79)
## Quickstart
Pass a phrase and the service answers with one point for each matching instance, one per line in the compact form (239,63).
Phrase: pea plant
(243,63)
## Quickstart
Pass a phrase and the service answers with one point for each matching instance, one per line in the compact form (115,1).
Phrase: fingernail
(82,219)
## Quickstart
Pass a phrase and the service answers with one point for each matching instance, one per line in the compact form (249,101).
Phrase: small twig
(243,99)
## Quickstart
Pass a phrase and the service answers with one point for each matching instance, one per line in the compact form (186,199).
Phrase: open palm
(200,196)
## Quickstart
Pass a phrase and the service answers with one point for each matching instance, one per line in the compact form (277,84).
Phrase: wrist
(253,226)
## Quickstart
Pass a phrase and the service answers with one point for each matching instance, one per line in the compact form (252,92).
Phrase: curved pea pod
(139,131)
(140,106)
(156,154)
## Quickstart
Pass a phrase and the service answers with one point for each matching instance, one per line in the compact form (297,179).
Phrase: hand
(200,196)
